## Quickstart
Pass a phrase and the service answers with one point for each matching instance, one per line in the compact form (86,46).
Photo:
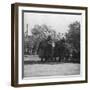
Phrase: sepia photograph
(49,44)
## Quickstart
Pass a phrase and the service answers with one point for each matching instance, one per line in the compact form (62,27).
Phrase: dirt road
(59,69)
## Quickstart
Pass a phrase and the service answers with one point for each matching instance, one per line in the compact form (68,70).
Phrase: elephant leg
(42,59)
(51,58)
(46,59)
(59,58)
(54,58)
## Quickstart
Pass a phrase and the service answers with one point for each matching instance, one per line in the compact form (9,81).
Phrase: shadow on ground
(48,62)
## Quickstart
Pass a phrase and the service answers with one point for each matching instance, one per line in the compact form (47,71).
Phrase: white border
(50,79)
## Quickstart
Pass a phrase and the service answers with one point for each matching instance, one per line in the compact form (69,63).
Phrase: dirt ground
(59,69)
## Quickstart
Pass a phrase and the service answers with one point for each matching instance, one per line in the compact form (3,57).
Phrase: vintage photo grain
(51,43)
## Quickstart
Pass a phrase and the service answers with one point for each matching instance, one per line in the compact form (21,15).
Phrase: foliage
(73,38)
(42,32)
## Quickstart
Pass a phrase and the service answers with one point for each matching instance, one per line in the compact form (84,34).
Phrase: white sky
(58,22)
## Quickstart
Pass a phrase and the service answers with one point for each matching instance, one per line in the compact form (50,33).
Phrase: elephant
(45,50)
(48,52)
(61,51)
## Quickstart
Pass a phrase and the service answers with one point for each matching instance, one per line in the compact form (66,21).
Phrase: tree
(73,38)
(40,33)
